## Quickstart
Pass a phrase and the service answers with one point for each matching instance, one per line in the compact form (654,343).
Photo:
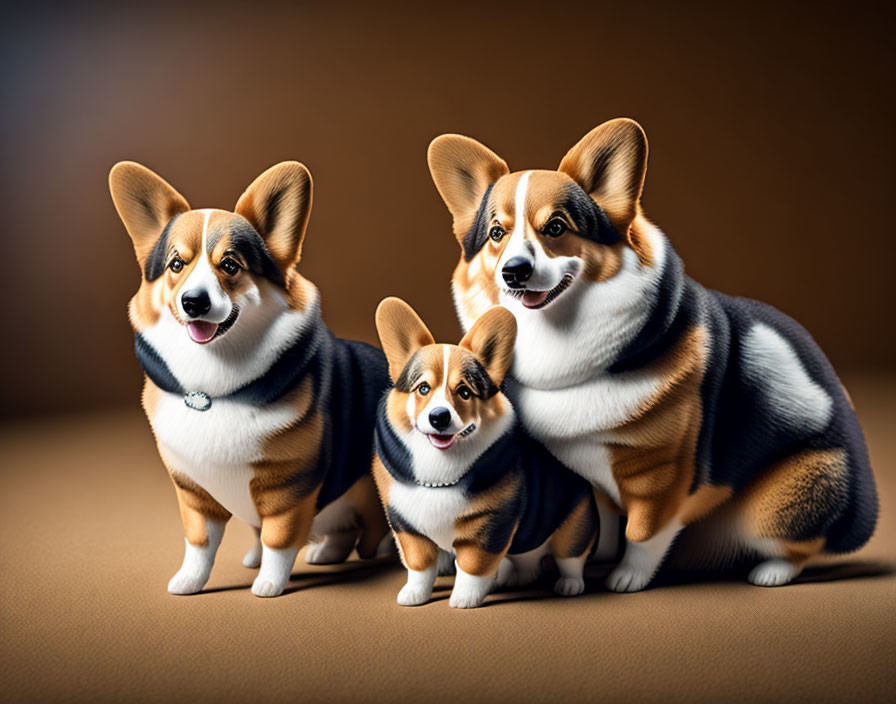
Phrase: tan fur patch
(299,442)
(279,484)
(786,489)
(581,519)
(292,526)
(472,526)
(702,502)
(417,552)
(196,505)
(653,454)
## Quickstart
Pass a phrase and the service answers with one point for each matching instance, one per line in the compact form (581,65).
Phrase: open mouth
(443,442)
(203,331)
(539,299)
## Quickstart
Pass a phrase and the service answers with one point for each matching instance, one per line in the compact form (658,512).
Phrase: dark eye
(176,265)
(496,233)
(229,266)
(464,392)
(423,389)
(555,228)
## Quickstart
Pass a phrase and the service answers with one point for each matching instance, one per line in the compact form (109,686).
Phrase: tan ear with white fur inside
(610,163)
(462,170)
(401,332)
(145,203)
(491,340)
(278,205)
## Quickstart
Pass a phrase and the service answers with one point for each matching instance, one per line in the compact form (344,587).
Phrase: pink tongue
(442,442)
(201,330)
(534,298)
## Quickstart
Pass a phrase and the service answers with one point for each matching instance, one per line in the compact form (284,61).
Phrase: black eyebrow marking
(477,377)
(590,220)
(157,261)
(477,235)
(412,370)
(246,242)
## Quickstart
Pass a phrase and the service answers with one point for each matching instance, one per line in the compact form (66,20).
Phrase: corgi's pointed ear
(401,332)
(610,163)
(278,205)
(491,340)
(463,169)
(145,203)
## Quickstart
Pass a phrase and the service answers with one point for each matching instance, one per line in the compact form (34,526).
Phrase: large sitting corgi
(457,475)
(257,409)
(678,403)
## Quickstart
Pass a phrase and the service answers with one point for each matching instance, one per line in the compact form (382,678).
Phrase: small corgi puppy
(257,409)
(456,474)
(677,402)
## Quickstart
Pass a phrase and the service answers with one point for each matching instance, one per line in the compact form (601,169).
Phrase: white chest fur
(430,511)
(215,448)
(576,423)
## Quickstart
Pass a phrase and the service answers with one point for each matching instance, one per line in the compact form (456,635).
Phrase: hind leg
(784,513)
(607,548)
(571,543)
(375,537)
(526,568)
(331,548)
(252,559)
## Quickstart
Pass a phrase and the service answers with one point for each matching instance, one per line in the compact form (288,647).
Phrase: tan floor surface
(91,535)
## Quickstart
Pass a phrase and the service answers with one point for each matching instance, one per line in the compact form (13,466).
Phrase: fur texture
(680,404)
(456,473)
(257,409)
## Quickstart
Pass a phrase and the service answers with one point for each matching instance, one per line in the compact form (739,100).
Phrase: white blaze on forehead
(547,271)
(208,215)
(517,245)
(203,278)
(519,205)
(438,399)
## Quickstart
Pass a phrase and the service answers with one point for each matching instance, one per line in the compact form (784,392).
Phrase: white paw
(627,579)
(569,586)
(773,573)
(252,560)
(411,595)
(266,587)
(506,574)
(187,582)
(466,599)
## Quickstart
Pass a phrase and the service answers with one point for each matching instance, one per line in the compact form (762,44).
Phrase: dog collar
(282,376)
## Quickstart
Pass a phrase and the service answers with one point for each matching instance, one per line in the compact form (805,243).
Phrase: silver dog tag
(198,401)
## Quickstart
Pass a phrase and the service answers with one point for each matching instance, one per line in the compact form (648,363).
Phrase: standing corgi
(456,474)
(257,409)
(678,403)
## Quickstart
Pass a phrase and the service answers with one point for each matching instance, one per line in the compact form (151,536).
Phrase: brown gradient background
(771,170)
(770,127)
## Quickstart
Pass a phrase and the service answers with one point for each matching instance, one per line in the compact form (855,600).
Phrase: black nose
(196,302)
(440,418)
(517,271)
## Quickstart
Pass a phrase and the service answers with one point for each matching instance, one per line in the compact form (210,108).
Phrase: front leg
(421,557)
(642,559)
(286,516)
(477,571)
(204,520)
(484,534)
